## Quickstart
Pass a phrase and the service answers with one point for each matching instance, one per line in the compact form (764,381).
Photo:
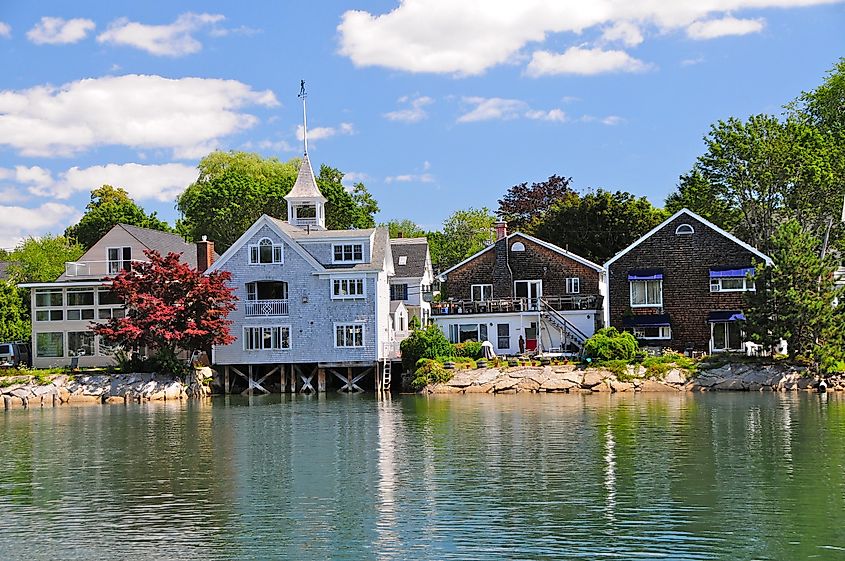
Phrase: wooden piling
(321,380)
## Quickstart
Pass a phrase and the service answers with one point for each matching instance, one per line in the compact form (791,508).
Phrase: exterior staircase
(567,329)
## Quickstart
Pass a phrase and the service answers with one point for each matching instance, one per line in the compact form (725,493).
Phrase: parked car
(15,354)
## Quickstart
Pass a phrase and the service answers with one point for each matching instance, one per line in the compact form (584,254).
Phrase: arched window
(518,246)
(684,229)
(265,251)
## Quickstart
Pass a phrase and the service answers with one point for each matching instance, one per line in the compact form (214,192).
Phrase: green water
(728,476)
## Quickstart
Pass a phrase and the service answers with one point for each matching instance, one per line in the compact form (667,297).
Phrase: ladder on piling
(386,373)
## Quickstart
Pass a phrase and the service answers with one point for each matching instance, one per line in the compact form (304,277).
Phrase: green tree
(14,313)
(465,232)
(235,188)
(795,300)
(824,107)
(110,206)
(407,228)
(523,206)
(600,224)
(695,193)
(42,259)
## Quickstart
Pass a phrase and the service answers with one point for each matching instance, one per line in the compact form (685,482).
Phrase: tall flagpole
(303,95)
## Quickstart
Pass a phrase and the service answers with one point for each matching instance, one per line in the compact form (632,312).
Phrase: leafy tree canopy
(110,206)
(600,224)
(464,233)
(524,205)
(407,228)
(14,313)
(42,259)
(824,107)
(235,188)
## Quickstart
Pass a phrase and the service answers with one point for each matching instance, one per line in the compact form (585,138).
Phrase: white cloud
(557,115)
(624,32)
(20,222)
(412,114)
(467,38)
(318,133)
(714,28)
(578,60)
(612,120)
(271,146)
(410,178)
(187,115)
(173,39)
(491,108)
(58,31)
(5,30)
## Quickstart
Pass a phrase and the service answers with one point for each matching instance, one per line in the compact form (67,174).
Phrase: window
(270,290)
(398,291)
(80,297)
(348,252)
(109,313)
(80,314)
(119,259)
(106,297)
(481,292)
(645,293)
(50,344)
(306,211)
(349,335)
(348,288)
(264,252)
(518,246)
(726,336)
(80,343)
(468,332)
(403,259)
(48,298)
(731,284)
(267,338)
(684,229)
(503,330)
(654,332)
(49,315)
(573,285)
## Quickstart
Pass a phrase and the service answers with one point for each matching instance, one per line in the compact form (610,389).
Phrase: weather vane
(302,95)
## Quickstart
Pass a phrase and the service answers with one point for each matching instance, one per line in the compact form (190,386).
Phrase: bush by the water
(430,372)
(425,343)
(611,344)
(470,349)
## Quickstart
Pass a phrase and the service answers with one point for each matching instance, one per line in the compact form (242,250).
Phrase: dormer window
(684,229)
(348,252)
(265,252)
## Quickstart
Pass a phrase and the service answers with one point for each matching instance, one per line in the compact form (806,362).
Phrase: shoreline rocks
(569,379)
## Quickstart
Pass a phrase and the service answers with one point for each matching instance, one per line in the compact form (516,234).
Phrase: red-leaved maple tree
(170,307)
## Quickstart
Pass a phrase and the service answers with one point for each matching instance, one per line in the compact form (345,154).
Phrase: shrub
(611,344)
(470,349)
(430,372)
(425,343)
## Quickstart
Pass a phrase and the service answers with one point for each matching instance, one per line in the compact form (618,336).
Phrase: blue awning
(722,316)
(722,272)
(645,274)
(646,320)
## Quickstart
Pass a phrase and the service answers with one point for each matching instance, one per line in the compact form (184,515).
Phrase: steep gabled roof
(163,242)
(542,243)
(766,259)
(305,187)
(415,251)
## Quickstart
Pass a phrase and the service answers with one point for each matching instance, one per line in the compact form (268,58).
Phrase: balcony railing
(97,269)
(266,308)
(504,305)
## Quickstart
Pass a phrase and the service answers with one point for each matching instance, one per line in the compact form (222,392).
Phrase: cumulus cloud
(5,30)
(414,113)
(59,31)
(172,39)
(424,177)
(20,222)
(578,60)
(501,109)
(319,133)
(468,38)
(557,115)
(186,115)
(710,29)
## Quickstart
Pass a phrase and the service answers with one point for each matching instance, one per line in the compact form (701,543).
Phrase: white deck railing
(259,308)
(97,268)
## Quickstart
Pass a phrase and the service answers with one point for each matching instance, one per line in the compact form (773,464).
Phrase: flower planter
(449,365)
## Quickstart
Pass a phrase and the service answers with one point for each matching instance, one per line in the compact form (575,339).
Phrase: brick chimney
(205,254)
(501,230)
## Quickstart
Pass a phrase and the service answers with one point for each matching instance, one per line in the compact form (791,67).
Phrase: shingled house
(521,294)
(410,289)
(681,286)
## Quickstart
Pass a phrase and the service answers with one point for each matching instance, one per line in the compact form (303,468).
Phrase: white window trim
(121,260)
(713,348)
(517,247)
(678,231)
(573,282)
(631,295)
(748,285)
(362,296)
(49,291)
(280,326)
(273,246)
(664,335)
(482,299)
(350,324)
(353,244)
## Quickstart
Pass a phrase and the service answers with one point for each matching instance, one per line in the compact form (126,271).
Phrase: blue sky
(435,104)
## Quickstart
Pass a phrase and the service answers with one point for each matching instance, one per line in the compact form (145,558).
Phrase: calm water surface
(732,476)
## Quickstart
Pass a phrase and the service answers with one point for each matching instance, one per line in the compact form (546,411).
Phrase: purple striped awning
(722,316)
(646,320)
(645,274)
(733,272)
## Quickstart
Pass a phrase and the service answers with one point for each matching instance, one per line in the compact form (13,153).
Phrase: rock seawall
(570,379)
(101,388)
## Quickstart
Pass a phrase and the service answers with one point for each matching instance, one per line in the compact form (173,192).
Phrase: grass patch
(41,376)
(655,366)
